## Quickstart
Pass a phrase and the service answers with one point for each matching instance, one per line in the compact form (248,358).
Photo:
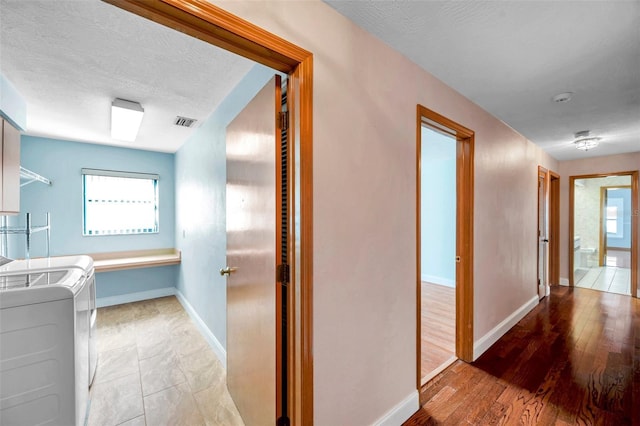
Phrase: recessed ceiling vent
(184,121)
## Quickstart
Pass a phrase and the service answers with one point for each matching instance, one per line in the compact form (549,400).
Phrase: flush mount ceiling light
(584,141)
(126,117)
(561,98)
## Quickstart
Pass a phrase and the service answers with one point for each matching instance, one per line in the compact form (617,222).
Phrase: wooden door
(10,163)
(253,302)
(543,238)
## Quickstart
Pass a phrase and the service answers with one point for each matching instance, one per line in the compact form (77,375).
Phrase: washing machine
(47,345)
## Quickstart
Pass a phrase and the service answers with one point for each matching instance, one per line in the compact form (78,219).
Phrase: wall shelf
(27,177)
(27,230)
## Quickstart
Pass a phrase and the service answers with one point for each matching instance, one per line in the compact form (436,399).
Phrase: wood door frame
(464,232)
(602,244)
(544,174)
(552,194)
(634,223)
(203,20)
(554,228)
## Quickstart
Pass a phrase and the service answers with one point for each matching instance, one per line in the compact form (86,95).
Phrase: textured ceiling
(512,57)
(70,59)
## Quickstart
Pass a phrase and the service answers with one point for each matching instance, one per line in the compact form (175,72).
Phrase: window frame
(120,174)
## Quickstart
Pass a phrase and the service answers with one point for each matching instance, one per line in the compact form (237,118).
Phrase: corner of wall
(211,339)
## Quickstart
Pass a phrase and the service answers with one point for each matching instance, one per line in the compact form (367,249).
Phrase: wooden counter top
(117,261)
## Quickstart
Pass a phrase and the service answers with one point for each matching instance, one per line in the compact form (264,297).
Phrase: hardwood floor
(438,327)
(575,359)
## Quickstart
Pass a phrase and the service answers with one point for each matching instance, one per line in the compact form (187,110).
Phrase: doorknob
(545,240)
(228,270)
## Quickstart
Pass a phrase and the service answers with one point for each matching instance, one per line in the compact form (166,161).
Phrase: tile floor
(606,278)
(155,368)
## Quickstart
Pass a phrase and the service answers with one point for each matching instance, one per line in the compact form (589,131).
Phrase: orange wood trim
(572,183)
(465,305)
(601,233)
(634,234)
(419,246)
(603,175)
(464,235)
(214,25)
(554,228)
(207,22)
(304,77)
(544,174)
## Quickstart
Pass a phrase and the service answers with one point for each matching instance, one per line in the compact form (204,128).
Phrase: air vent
(184,121)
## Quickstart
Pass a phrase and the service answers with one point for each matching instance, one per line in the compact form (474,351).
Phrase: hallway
(574,359)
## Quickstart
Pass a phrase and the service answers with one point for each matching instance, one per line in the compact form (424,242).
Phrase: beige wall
(608,164)
(365,97)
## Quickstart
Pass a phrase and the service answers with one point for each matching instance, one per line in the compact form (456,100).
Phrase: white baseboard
(438,280)
(485,342)
(564,282)
(211,339)
(401,412)
(101,302)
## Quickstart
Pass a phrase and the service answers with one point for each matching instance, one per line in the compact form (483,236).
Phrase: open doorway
(548,230)
(438,251)
(214,25)
(444,243)
(603,232)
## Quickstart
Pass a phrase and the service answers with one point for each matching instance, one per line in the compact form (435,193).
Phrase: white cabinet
(10,173)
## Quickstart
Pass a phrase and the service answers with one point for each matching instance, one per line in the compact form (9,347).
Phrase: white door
(252,258)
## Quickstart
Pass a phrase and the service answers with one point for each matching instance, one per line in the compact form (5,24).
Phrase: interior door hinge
(283,120)
(283,273)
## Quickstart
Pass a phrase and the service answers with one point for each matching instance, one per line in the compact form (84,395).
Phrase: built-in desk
(121,260)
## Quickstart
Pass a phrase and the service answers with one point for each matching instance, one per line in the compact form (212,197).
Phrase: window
(612,219)
(119,203)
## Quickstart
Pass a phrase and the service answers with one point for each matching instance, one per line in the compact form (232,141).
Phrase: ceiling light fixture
(126,117)
(561,98)
(584,141)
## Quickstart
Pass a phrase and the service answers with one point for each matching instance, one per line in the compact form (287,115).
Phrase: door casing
(543,232)
(464,233)
(554,228)
(552,200)
(216,26)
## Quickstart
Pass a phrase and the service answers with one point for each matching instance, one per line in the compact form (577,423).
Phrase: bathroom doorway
(604,232)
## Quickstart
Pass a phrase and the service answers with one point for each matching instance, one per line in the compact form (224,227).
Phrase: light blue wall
(438,208)
(625,241)
(61,162)
(200,207)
